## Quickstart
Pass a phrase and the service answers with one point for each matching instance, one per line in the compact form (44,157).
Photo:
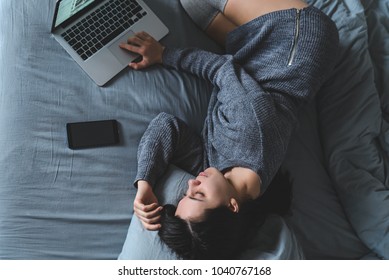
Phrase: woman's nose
(193,184)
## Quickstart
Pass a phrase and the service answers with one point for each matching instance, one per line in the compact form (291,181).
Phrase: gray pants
(203,12)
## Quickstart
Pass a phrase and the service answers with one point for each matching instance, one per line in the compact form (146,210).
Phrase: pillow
(274,240)
(142,244)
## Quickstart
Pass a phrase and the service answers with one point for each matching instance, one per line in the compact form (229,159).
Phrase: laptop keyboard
(104,24)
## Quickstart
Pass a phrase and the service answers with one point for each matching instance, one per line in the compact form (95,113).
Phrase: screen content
(92,134)
(68,8)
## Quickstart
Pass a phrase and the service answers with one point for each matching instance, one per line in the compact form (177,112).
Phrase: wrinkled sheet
(353,127)
(56,203)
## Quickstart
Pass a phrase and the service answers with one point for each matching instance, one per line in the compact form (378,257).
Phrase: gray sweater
(273,65)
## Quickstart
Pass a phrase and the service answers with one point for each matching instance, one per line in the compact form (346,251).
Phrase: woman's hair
(223,233)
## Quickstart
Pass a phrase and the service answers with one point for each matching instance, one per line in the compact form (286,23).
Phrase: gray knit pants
(203,12)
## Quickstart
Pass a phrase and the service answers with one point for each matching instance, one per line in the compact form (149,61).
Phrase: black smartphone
(92,134)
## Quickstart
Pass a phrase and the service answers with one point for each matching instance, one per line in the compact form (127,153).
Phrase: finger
(148,214)
(139,65)
(150,221)
(150,224)
(143,35)
(151,227)
(143,207)
(129,47)
(135,41)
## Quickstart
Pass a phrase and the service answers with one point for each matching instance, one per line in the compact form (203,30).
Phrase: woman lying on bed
(278,53)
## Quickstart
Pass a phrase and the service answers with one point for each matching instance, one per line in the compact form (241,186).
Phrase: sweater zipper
(296,37)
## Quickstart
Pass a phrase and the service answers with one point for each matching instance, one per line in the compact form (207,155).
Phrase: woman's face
(209,190)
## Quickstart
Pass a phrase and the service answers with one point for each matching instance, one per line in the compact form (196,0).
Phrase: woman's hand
(146,46)
(146,206)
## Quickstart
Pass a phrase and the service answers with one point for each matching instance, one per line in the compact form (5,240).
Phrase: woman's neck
(246,182)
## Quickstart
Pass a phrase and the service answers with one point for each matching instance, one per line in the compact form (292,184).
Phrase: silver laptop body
(91,30)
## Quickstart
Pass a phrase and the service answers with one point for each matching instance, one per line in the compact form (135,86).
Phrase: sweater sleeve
(220,70)
(199,62)
(168,140)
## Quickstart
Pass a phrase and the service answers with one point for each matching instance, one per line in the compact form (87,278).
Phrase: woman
(278,54)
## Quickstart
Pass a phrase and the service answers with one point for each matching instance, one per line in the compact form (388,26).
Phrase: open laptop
(91,30)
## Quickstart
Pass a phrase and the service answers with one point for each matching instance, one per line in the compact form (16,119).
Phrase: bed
(58,203)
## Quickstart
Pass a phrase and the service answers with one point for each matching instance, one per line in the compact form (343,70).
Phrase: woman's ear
(233,205)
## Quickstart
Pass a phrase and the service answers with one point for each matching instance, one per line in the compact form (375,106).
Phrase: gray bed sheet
(354,129)
(56,203)
(352,132)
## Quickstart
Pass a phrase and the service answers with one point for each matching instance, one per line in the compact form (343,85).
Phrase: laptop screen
(66,9)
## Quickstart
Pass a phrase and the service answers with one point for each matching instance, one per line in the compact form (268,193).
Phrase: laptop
(91,31)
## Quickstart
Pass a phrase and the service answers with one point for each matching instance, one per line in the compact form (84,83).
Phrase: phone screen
(92,134)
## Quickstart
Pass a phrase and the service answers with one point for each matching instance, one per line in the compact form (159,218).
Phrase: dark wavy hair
(223,234)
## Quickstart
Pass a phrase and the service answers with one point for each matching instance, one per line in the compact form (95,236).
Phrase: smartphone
(92,134)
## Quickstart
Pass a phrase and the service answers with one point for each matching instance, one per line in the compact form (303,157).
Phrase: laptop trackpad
(123,56)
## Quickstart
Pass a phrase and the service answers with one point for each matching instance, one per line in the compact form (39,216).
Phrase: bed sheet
(56,203)
(352,123)
(377,20)
(317,216)
(339,154)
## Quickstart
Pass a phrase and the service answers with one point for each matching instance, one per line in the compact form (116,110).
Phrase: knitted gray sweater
(272,66)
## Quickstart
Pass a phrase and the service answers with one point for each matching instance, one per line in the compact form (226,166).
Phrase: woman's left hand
(146,46)
(146,206)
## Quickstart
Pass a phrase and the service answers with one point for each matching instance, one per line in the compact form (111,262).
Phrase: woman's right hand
(146,206)
(147,47)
